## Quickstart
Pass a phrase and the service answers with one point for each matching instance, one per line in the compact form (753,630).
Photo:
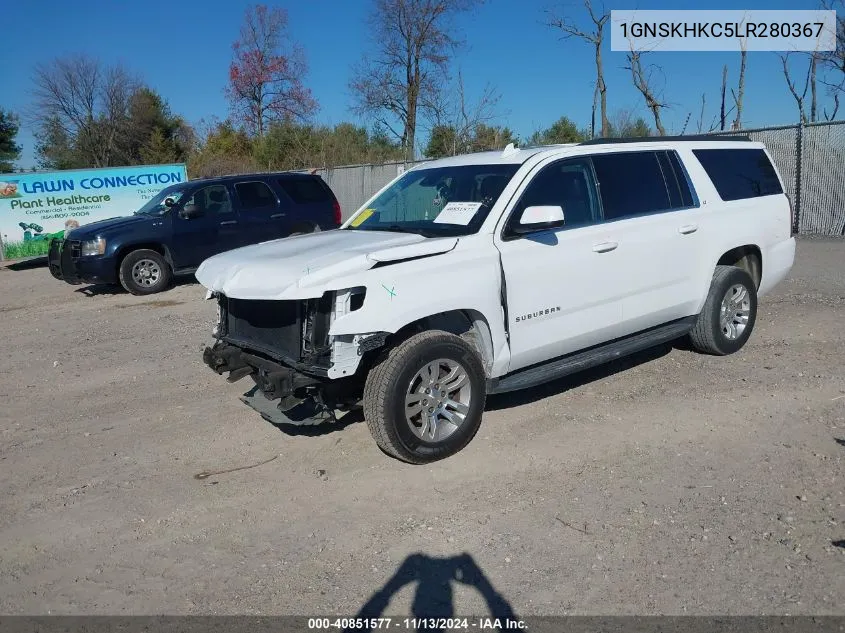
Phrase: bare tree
(832,115)
(722,114)
(740,93)
(643,82)
(715,123)
(621,120)
(831,64)
(87,103)
(594,37)
(462,116)
(814,61)
(835,60)
(413,42)
(265,77)
(701,116)
(810,78)
(686,123)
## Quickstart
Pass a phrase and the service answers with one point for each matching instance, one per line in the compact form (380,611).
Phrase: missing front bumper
(282,395)
(274,379)
(306,412)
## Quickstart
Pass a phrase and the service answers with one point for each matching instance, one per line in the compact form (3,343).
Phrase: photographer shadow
(434,593)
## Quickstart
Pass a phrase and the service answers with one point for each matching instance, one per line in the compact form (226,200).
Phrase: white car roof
(517,156)
(508,156)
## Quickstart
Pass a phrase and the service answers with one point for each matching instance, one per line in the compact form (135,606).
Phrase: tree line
(87,113)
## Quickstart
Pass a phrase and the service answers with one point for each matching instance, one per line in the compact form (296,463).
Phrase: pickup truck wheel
(424,398)
(729,313)
(144,272)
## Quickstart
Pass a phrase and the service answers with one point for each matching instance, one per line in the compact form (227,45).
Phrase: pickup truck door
(211,229)
(560,284)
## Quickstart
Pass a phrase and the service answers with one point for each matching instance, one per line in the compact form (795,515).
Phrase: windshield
(156,206)
(440,201)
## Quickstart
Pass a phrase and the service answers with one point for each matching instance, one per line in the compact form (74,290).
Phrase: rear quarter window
(305,190)
(739,174)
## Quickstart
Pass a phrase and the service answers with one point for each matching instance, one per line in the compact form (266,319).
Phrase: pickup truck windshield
(156,206)
(436,202)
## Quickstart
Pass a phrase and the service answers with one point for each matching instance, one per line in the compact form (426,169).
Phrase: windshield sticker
(362,217)
(458,213)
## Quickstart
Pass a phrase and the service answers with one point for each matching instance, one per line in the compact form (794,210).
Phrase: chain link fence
(822,186)
(810,158)
(355,184)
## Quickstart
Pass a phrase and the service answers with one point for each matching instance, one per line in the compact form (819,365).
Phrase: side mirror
(538,219)
(190,211)
(168,202)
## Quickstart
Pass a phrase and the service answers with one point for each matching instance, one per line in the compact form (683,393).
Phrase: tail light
(337,214)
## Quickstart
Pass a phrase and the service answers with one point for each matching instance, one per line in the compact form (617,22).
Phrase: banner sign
(36,207)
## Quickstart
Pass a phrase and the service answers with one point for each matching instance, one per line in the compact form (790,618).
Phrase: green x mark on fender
(391,291)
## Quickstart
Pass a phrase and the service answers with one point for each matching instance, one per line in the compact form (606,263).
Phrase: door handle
(687,229)
(227,222)
(276,216)
(604,247)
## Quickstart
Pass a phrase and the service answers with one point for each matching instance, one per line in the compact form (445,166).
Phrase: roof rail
(660,139)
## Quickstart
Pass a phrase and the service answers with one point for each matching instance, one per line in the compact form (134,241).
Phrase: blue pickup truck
(185,224)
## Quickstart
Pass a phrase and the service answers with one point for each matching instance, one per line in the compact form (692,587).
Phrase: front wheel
(144,272)
(424,399)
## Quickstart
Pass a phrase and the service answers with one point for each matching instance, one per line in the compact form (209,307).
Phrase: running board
(579,361)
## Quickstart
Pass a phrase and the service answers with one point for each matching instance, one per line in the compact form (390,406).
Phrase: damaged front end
(302,375)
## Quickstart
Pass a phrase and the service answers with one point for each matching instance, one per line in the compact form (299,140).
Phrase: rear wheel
(424,399)
(144,272)
(729,313)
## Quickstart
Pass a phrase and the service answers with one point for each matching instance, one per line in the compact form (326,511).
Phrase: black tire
(156,283)
(389,380)
(708,335)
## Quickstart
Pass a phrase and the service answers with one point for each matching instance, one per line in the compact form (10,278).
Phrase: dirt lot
(669,483)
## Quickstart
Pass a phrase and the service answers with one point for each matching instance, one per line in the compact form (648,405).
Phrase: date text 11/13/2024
(416,624)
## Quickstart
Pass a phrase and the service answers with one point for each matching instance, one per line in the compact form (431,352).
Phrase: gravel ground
(670,483)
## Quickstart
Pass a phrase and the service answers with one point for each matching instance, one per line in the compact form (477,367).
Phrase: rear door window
(739,174)
(631,183)
(255,195)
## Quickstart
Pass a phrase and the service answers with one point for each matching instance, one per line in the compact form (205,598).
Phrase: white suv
(498,271)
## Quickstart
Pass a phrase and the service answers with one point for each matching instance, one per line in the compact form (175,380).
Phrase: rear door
(312,202)
(261,215)
(647,208)
(212,230)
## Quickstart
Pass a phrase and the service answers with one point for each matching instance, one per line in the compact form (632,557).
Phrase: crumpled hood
(304,265)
